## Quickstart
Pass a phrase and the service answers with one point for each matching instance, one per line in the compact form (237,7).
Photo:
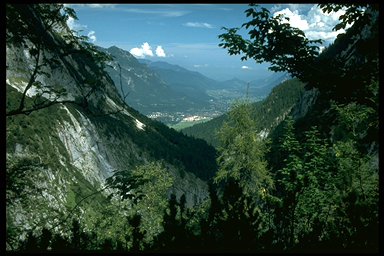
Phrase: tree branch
(32,79)
(38,107)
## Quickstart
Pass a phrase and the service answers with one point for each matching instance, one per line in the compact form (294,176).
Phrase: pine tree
(244,182)
(241,155)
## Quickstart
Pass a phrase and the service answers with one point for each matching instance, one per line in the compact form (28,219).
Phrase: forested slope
(313,185)
(267,113)
(70,137)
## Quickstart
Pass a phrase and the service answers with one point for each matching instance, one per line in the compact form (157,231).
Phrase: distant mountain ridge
(149,92)
(168,92)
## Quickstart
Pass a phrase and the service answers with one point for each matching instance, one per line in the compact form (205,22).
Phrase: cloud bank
(146,50)
(74,25)
(315,24)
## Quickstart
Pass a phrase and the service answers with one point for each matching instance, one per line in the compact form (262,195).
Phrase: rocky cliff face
(306,101)
(59,157)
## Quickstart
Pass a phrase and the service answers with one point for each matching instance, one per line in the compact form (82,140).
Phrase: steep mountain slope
(59,157)
(267,113)
(155,93)
(144,89)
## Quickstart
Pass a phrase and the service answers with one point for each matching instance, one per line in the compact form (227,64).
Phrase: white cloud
(295,20)
(160,51)
(315,24)
(321,24)
(144,50)
(71,23)
(92,36)
(198,25)
(245,67)
(74,25)
(326,36)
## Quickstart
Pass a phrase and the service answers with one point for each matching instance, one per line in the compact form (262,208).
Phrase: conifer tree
(241,155)
(244,182)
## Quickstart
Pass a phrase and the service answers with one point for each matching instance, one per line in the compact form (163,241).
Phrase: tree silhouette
(273,40)
(137,234)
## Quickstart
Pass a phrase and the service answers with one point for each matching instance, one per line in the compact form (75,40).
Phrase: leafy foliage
(320,181)
(19,177)
(321,192)
(272,40)
(353,13)
(245,185)
(147,186)
(242,152)
(340,73)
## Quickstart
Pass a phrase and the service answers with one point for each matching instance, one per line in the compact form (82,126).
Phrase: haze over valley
(173,94)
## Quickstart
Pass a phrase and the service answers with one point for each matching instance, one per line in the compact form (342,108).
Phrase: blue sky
(187,34)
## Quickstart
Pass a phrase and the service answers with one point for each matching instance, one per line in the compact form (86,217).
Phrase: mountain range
(87,171)
(169,92)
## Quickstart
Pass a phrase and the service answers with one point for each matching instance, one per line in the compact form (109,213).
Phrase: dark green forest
(311,185)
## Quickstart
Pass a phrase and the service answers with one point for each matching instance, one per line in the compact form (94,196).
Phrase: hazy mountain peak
(119,53)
